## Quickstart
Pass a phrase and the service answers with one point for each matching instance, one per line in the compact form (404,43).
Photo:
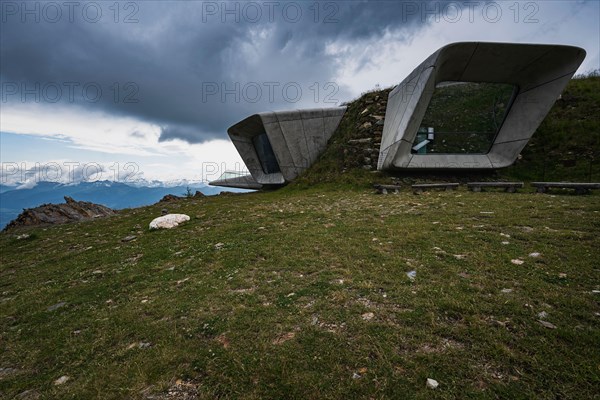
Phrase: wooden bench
(385,189)
(419,188)
(510,187)
(580,187)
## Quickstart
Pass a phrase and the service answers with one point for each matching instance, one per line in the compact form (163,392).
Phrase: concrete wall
(540,73)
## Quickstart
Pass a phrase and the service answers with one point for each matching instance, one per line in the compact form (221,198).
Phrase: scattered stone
(368,316)
(547,324)
(128,238)
(57,306)
(30,394)
(505,235)
(505,243)
(222,339)
(562,275)
(284,338)
(534,255)
(432,383)
(61,380)
(164,211)
(412,275)
(356,375)
(542,315)
(219,246)
(506,290)
(359,141)
(366,125)
(516,261)
(460,256)
(168,221)
(23,236)
(183,390)
(144,345)
(8,371)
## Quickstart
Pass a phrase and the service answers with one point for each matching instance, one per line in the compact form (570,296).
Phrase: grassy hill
(304,293)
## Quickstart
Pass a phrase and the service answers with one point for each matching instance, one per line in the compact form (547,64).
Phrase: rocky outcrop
(171,197)
(53,214)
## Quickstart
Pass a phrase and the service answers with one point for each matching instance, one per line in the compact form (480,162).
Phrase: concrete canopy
(277,146)
(538,72)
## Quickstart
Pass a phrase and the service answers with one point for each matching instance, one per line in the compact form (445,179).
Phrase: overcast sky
(151,86)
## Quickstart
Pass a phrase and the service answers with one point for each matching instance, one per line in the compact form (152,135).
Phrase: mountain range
(116,195)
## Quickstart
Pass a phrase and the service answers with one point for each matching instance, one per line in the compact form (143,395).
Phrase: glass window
(265,153)
(463,118)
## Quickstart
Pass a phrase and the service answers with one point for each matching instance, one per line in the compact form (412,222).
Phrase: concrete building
(539,74)
(278,146)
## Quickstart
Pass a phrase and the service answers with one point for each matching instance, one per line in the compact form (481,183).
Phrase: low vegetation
(304,293)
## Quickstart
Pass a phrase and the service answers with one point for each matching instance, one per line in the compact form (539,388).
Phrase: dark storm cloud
(188,67)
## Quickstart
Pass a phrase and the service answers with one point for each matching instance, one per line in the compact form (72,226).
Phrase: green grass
(567,144)
(276,310)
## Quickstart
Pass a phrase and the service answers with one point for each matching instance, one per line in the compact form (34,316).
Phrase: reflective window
(265,153)
(463,118)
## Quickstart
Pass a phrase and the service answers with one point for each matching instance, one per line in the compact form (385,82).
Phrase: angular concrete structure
(278,146)
(539,74)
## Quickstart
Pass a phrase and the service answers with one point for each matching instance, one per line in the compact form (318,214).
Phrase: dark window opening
(463,118)
(265,153)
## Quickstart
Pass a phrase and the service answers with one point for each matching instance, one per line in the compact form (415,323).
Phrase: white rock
(412,275)
(168,221)
(368,316)
(534,255)
(516,261)
(542,315)
(547,324)
(432,383)
(61,380)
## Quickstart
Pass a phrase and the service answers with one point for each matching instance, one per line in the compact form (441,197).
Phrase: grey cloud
(164,64)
